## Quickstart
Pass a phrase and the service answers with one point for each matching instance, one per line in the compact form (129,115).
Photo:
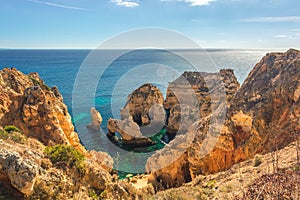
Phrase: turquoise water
(123,75)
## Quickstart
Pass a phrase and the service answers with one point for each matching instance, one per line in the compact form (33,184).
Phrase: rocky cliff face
(261,117)
(195,95)
(143,115)
(26,102)
(29,174)
(264,114)
(139,103)
(30,167)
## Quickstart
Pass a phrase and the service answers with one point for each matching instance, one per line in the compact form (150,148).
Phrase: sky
(211,23)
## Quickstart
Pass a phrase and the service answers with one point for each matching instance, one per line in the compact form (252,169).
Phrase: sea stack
(142,115)
(96,120)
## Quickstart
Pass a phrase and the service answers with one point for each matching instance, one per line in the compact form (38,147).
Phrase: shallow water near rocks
(60,67)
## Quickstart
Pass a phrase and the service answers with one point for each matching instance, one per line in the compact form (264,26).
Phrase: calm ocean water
(60,68)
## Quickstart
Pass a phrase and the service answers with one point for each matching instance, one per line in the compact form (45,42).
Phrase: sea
(114,74)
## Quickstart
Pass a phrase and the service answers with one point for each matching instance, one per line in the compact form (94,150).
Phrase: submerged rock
(129,131)
(261,117)
(96,120)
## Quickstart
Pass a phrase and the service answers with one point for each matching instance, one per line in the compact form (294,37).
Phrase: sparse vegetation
(10,129)
(226,188)
(103,194)
(92,194)
(12,133)
(211,184)
(281,185)
(3,135)
(38,83)
(63,156)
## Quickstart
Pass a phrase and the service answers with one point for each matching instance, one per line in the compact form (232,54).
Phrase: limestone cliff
(143,115)
(261,117)
(195,95)
(26,102)
(28,173)
(41,156)
(139,103)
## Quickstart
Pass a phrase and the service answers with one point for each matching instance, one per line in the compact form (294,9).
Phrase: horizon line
(206,48)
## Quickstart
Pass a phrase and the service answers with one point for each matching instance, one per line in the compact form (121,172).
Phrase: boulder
(129,131)
(96,120)
(21,173)
(19,167)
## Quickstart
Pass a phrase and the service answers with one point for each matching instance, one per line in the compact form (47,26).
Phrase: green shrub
(103,194)
(63,155)
(3,135)
(17,137)
(38,83)
(10,129)
(12,133)
(211,184)
(92,194)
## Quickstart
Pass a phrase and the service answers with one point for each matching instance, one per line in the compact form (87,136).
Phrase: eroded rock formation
(129,131)
(26,169)
(261,117)
(96,120)
(20,173)
(139,103)
(142,115)
(26,102)
(195,95)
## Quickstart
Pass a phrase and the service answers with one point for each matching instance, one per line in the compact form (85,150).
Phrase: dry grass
(243,178)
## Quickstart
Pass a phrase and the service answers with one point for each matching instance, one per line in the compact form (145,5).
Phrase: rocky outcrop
(181,118)
(129,131)
(195,95)
(28,173)
(143,115)
(261,117)
(21,172)
(25,168)
(96,120)
(264,114)
(26,102)
(139,104)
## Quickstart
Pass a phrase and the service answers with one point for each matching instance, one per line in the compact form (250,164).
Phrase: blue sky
(211,23)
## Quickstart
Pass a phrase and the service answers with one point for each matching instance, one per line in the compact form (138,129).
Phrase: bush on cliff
(38,83)
(63,156)
(12,133)
(10,129)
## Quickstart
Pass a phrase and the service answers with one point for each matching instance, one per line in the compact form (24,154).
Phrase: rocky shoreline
(215,124)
